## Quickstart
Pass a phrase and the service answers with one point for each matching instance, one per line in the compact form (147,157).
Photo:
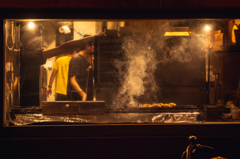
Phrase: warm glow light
(176,34)
(31,25)
(207,28)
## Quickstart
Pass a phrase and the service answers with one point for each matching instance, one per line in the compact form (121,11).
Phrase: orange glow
(31,25)
(176,34)
(207,28)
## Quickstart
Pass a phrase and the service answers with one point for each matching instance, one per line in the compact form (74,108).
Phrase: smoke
(181,49)
(138,79)
(142,56)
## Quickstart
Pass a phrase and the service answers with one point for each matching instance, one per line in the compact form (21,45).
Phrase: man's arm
(54,73)
(77,88)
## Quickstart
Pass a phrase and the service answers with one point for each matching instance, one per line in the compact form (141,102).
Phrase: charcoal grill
(176,109)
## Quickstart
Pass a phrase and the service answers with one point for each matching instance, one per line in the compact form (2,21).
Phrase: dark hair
(91,43)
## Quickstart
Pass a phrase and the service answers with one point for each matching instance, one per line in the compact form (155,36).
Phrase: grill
(176,109)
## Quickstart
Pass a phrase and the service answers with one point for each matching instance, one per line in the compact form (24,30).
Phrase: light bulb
(31,25)
(207,28)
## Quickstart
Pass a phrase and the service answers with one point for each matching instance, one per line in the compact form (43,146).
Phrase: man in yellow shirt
(60,71)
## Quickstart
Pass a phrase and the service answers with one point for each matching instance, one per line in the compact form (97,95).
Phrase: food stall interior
(143,71)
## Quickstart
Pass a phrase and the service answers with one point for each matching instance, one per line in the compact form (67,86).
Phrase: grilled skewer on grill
(160,105)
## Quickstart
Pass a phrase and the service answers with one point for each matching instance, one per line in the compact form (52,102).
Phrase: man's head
(89,47)
(31,35)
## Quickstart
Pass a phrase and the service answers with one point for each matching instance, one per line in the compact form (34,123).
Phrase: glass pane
(121,71)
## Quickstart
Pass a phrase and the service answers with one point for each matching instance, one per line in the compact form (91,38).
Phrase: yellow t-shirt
(62,66)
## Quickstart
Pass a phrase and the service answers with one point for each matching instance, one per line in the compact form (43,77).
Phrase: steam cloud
(137,80)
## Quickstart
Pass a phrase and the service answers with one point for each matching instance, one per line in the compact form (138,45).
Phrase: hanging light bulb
(207,28)
(31,25)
